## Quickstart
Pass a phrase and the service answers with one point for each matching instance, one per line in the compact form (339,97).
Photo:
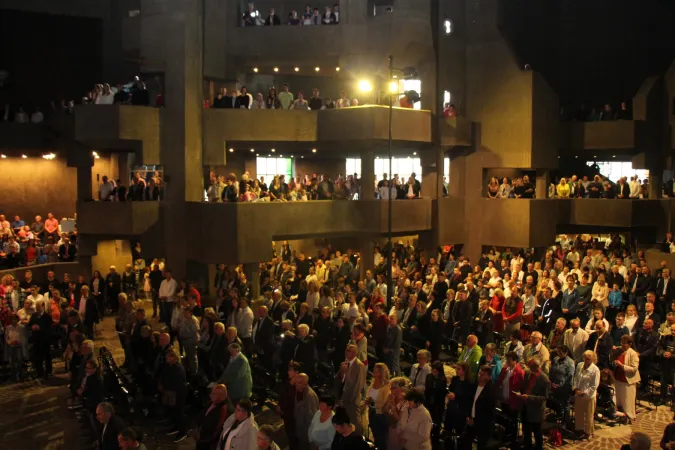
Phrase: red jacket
(515,384)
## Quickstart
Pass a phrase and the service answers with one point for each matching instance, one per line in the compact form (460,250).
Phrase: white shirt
(104,99)
(82,307)
(104,191)
(37,117)
(168,289)
(587,379)
(634,189)
(479,389)
(506,391)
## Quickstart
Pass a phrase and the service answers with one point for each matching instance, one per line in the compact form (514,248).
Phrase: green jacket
(237,378)
(472,357)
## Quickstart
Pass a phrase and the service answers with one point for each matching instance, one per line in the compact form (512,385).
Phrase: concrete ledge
(456,132)
(119,220)
(243,232)
(613,135)
(120,127)
(40,271)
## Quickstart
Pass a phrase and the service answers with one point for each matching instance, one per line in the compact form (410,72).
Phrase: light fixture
(448,26)
(291,156)
(337,69)
(377,157)
(613,156)
(414,153)
(231,150)
(95,155)
(393,87)
(409,157)
(313,150)
(49,156)
(281,156)
(255,69)
(576,157)
(297,69)
(252,150)
(24,156)
(3,156)
(257,154)
(595,156)
(395,76)
(558,156)
(317,68)
(276,69)
(268,155)
(365,86)
(273,150)
(302,157)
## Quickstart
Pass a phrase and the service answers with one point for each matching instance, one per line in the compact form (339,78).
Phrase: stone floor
(33,415)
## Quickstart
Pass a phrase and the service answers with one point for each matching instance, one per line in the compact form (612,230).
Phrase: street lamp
(393,89)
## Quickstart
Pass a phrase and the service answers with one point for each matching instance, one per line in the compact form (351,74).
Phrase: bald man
(306,405)
(212,418)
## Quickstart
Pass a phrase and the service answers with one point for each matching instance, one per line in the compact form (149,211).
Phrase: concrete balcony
(456,132)
(612,135)
(243,232)
(116,220)
(252,44)
(348,125)
(121,128)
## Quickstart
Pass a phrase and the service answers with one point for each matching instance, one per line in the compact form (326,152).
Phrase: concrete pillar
(253,276)
(84,184)
(367,249)
(542,182)
(181,131)
(432,173)
(367,175)
(655,185)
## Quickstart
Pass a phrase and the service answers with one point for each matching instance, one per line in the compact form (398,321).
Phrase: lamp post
(390,258)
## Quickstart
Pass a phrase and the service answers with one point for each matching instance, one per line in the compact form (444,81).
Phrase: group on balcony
(516,188)
(600,187)
(603,113)
(148,186)
(242,99)
(311,16)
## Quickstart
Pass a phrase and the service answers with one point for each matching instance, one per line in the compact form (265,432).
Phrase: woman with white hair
(585,386)
(627,376)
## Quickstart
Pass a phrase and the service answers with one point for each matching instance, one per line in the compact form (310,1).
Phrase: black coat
(108,439)
(44,334)
(264,337)
(485,407)
(92,394)
(484,327)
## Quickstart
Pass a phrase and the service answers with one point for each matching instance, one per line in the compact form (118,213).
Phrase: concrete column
(367,249)
(181,131)
(432,173)
(84,184)
(655,185)
(367,175)
(253,276)
(542,182)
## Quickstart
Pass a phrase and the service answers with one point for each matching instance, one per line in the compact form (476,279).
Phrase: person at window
(316,17)
(336,12)
(272,100)
(608,191)
(307,15)
(272,18)
(315,102)
(411,189)
(343,101)
(624,113)
(107,97)
(325,188)
(139,94)
(607,113)
(563,189)
(449,110)
(328,18)
(251,17)
(505,188)
(285,98)
(493,188)
(244,99)
(259,102)
(300,103)
(330,104)
(222,100)
(293,18)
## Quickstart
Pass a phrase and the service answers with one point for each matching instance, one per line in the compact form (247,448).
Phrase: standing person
(88,311)
(321,431)
(188,335)
(172,387)
(97,288)
(376,396)
(346,436)
(237,374)
(627,376)
(306,405)
(129,283)
(482,411)
(391,347)
(349,382)
(561,375)
(509,385)
(112,425)
(585,386)
(534,393)
(113,287)
(167,297)
(156,279)
(414,428)
(40,324)
(212,420)
(240,431)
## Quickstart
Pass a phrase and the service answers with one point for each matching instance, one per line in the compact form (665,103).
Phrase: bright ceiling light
(49,156)
(252,150)
(414,153)
(317,68)
(255,69)
(337,69)
(231,150)
(24,156)
(297,69)
(276,69)
(365,86)
(3,156)
(313,150)
(393,87)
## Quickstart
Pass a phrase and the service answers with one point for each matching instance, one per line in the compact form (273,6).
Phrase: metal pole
(390,281)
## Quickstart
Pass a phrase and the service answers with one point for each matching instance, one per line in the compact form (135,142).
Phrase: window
(446,169)
(617,169)
(353,167)
(447,26)
(404,167)
(447,97)
(411,85)
(269,167)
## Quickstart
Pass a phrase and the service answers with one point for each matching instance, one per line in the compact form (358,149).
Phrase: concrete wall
(117,253)
(40,271)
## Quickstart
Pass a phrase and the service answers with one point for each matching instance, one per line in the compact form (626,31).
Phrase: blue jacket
(615,299)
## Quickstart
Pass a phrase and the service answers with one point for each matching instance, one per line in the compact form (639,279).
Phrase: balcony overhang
(116,220)
(610,135)
(120,127)
(456,132)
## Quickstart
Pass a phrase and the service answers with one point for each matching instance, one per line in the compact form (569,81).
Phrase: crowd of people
(242,99)
(603,113)
(40,242)
(344,187)
(133,93)
(144,186)
(311,16)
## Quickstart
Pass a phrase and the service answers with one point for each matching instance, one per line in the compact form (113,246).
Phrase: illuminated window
(447,26)
(269,167)
(617,169)
(447,97)
(411,85)
(446,169)
(353,167)
(403,167)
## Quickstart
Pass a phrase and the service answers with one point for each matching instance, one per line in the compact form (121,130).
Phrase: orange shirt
(51,225)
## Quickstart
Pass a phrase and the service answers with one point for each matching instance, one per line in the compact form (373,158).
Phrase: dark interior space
(48,57)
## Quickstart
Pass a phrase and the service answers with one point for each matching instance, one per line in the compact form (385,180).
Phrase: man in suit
(391,346)
(638,285)
(262,335)
(88,311)
(483,326)
(646,345)
(237,375)
(665,292)
(601,344)
(111,426)
(40,324)
(306,405)
(482,415)
(113,287)
(550,311)
(218,355)
(349,383)
(649,312)
(67,251)
(533,395)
